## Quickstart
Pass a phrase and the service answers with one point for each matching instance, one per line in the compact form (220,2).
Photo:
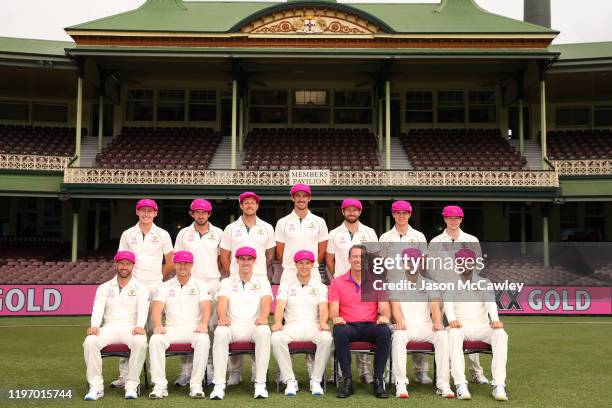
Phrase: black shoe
(345,389)
(379,388)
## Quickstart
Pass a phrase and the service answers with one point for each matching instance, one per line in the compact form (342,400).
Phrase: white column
(545,249)
(234,114)
(521,125)
(543,119)
(388,125)
(79,121)
(241,125)
(75,235)
(100,122)
(97,228)
(380,125)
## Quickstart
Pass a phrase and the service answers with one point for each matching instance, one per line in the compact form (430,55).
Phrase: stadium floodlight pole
(100,122)
(79,120)
(388,125)
(234,117)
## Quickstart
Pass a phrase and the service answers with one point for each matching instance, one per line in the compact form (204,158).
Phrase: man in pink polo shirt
(356,320)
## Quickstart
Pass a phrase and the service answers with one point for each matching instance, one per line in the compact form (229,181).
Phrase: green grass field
(552,362)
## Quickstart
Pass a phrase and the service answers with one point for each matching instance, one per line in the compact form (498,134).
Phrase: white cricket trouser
(152,286)
(421,332)
(301,331)
(497,338)
(178,334)
(187,361)
(224,335)
(290,275)
(112,334)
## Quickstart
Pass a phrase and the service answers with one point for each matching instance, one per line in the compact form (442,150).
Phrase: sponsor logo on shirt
(193,292)
(292,292)
(111,293)
(171,293)
(311,225)
(154,238)
(313,291)
(260,231)
(291,227)
(131,292)
(212,237)
(192,237)
(134,240)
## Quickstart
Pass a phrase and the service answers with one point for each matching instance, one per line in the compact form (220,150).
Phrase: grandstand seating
(26,272)
(161,148)
(460,149)
(336,149)
(535,273)
(579,144)
(37,140)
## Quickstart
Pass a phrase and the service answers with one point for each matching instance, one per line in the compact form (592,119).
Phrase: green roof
(583,51)
(450,16)
(29,46)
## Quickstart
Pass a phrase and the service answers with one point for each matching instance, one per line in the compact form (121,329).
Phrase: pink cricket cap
(401,205)
(246,251)
(182,257)
(146,202)
(301,255)
(465,253)
(412,253)
(248,194)
(200,204)
(301,187)
(351,202)
(452,211)
(127,255)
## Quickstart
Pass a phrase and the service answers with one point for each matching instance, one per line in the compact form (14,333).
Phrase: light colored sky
(578,21)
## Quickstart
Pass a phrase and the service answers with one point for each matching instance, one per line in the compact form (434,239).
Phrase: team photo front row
(210,318)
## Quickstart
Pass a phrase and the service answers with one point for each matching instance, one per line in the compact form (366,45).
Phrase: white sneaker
(316,389)
(218,393)
(182,380)
(291,389)
(196,391)
(401,391)
(93,395)
(131,393)
(423,378)
(479,379)
(463,393)
(118,383)
(260,390)
(234,379)
(499,393)
(445,392)
(158,392)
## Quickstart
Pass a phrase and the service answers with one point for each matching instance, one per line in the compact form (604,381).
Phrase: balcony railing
(344,178)
(33,162)
(584,167)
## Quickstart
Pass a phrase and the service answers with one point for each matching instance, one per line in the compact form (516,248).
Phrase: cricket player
(249,230)
(418,317)
(186,302)
(476,319)
(444,247)
(341,239)
(202,239)
(357,320)
(151,245)
(300,230)
(400,236)
(123,304)
(302,303)
(243,305)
